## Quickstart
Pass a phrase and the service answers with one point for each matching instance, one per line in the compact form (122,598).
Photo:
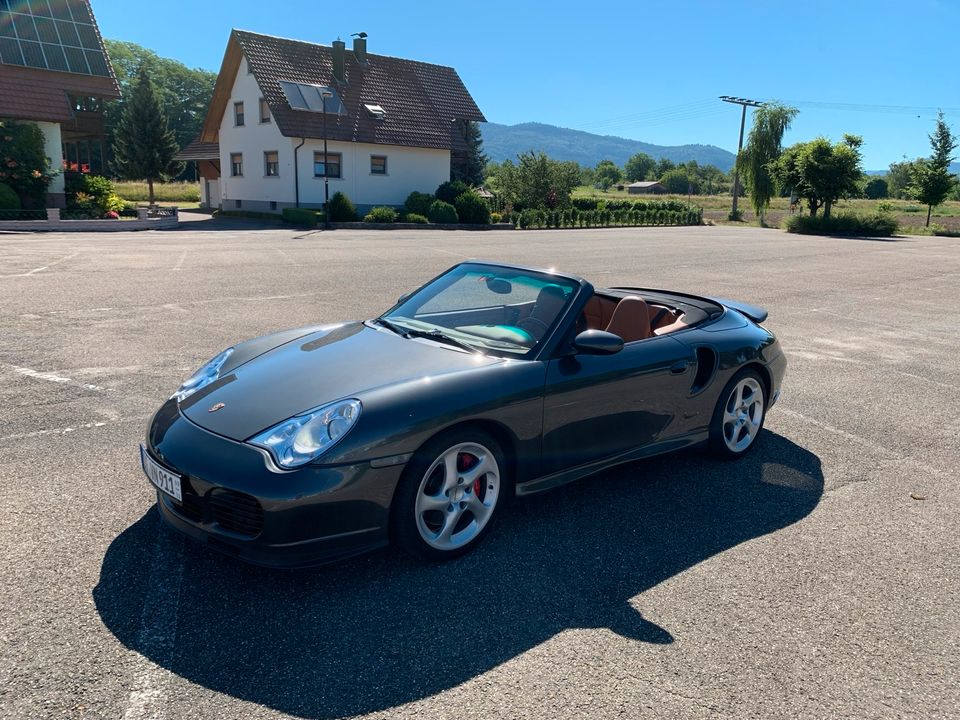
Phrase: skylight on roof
(303,96)
(378,112)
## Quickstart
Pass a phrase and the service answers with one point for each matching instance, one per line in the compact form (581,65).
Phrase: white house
(391,125)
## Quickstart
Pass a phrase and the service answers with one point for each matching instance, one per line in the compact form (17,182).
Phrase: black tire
(724,435)
(412,527)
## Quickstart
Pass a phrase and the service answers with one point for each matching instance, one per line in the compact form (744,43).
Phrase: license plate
(163,479)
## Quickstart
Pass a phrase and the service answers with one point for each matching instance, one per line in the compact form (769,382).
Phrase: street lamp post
(324,94)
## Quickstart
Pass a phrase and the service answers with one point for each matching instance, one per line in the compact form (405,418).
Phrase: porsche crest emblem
(214,408)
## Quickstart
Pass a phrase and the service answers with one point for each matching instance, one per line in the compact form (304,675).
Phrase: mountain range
(507,141)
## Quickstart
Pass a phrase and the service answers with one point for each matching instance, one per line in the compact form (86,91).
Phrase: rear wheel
(739,415)
(449,494)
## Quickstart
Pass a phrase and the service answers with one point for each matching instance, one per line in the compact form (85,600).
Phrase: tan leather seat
(631,319)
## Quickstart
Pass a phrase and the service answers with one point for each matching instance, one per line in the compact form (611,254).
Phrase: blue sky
(651,71)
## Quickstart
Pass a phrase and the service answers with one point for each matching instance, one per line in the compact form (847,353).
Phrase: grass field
(909,213)
(164,192)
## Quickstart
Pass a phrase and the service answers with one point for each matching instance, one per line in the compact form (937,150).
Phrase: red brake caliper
(465,461)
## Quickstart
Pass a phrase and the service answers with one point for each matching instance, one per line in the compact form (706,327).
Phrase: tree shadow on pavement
(376,632)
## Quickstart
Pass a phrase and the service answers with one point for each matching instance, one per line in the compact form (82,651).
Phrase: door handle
(680,367)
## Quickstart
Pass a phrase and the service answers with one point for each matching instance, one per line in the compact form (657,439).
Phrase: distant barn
(645,187)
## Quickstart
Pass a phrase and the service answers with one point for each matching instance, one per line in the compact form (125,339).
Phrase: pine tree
(932,181)
(145,146)
(471,165)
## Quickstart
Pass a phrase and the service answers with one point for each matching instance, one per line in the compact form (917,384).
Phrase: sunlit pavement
(819,577)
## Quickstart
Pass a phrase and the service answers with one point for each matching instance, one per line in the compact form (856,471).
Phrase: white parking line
(179,265)
(53,431)
(157,636)
(54,378)
(41,269)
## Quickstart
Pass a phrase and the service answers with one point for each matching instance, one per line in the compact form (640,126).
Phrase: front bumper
(237,502)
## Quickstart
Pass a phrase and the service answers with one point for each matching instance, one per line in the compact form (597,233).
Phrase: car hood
(323,366)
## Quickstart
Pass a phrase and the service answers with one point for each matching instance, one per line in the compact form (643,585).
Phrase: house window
(264,111)
(238,114)
(330,168)
(271,164)
(378,164)
(238,204)
(236,164)
(273,204)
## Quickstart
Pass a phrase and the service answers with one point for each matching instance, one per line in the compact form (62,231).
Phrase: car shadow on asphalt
(376,632)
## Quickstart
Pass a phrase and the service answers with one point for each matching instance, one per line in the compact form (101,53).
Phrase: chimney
(339,52)
(360,49)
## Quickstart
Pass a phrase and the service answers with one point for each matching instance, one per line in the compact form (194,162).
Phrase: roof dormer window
(377,112)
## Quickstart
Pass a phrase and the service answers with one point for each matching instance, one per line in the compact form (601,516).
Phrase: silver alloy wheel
(457,496)
(743,414)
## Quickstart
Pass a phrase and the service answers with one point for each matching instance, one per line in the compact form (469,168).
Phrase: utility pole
(744,103)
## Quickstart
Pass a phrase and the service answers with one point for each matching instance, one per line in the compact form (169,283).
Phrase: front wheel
(448,495)
(739,415)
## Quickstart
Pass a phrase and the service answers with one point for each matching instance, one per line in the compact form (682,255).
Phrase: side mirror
(598,342)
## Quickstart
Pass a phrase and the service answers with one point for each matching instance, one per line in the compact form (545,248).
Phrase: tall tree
(932,181)
(770,122)
(471,165)
(184,92)
(819,172)
(536,181)
(899,178)
(607,174)
(145,146)
(638,167)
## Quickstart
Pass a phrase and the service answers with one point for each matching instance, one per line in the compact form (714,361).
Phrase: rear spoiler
(757,314)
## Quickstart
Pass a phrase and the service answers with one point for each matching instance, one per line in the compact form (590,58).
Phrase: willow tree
(770,122)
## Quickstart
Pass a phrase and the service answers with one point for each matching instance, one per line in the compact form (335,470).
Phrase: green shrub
(496,218)
(418,203)
(443,212)
(381,215)
(472,209)
(878,225)
(415,218)
(300,216)
(341,209)
(9,200)
(449,191)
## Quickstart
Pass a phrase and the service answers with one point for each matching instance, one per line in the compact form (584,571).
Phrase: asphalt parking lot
(817,578)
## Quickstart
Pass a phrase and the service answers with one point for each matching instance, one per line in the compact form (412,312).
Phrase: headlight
(202,377)
(306,437)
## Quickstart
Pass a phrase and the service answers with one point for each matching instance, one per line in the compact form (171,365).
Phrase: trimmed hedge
(443,212)
(381,215)
(418,203)
(472,209)
(623,214)
(341,209)
(301,216)
(879,225)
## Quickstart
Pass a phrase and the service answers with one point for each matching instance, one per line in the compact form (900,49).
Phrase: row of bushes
(574,218)
(880,224)
(614,205)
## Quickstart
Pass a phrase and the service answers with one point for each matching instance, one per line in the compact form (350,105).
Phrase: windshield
(496,310)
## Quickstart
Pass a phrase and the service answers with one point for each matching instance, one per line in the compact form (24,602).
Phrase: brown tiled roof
(31,93)
(34,94)
(199,151)
(421,100)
